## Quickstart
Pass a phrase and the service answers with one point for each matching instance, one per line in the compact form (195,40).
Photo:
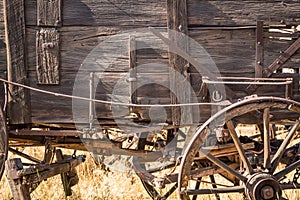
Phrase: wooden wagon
(172,84)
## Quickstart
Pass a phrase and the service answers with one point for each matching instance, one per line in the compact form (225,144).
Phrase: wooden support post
(132,72)
(64,177)
(19,98)
(259,59)
(177,25)
(19,189)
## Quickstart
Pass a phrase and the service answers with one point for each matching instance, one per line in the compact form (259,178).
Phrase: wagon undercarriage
(259,163)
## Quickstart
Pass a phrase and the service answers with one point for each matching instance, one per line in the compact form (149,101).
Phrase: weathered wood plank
(19,99)
(233,51)
(3,63)
(230,49)
(152,13)
(2,15)
(47,58)
(259,57)
(237,13)
(177,25)
(49,13)
(89,23)
(129,13)
(132,71)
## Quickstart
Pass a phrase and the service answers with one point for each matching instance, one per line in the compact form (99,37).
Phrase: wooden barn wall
(86,23)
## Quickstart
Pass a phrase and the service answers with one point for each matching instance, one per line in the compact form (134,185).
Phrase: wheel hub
(262,186)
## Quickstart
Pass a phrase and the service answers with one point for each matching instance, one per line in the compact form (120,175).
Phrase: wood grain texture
(237,13)
(233,51)
(87,24)
(49,13)
(130,13)
(19,99)
(47,57)
(3,63)
(179,77)
(259,55)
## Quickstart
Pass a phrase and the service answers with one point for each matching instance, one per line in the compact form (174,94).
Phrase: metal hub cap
(263,186)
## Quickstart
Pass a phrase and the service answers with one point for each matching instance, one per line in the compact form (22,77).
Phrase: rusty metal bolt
(48,45)
(267,192)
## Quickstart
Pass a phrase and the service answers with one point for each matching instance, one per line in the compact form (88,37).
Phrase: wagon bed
(94,76)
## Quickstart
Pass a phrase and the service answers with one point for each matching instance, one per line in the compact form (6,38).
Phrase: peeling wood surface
(47,58)
(49,13)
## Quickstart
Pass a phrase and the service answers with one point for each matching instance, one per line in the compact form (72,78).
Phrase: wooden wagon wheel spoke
(154,194)
(214,191)
(256,173)
(287,170)
(267,148)
(222,165)
(197,186)
(239,147)
(283,146)
(212,178)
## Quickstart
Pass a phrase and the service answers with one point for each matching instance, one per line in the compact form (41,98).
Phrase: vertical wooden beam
(132,68)
(47,56)
(49,13)
(177,25)
(19,99)
(259,59)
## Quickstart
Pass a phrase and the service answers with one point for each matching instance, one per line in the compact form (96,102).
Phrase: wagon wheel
(3,142)
(254,171)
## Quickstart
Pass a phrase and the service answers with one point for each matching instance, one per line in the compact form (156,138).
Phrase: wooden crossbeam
(278,62)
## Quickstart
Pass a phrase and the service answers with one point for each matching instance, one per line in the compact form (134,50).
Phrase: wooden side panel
(241,13)
(47,47)
(49,13)
(217,25)
(19,103)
